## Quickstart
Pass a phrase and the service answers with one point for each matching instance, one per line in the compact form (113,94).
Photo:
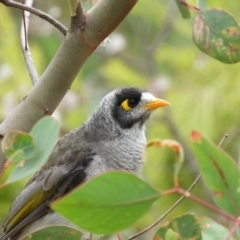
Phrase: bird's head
(128,107)
(134,106)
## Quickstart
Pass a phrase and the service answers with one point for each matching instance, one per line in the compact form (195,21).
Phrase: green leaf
(217,33)
(182,227)
(45,134)
(55,233)
(108,203)
(18,146)
(184,10)
(212,230)
(220,173)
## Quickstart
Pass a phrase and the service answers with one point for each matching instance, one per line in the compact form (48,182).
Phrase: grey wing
(50,183)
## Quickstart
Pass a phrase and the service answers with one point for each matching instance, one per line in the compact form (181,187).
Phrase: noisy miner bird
(112,139)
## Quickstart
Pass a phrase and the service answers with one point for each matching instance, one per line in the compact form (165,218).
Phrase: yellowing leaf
(18,146)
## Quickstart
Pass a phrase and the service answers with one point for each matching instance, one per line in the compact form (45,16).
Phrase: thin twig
(24,44)
(168,211)
(38,13)
(223,139)
(25,24)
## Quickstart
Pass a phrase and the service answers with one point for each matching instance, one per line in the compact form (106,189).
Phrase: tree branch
(38,13)
(78,45)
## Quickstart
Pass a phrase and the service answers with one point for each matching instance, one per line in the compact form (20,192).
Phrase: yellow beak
(156,103)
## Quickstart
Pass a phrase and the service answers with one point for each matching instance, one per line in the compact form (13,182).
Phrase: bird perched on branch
(112,139)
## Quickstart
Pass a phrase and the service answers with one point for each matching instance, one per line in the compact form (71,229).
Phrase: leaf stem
(210,206)
(200,201)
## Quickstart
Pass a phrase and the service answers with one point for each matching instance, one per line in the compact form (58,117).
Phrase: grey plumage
(113,138)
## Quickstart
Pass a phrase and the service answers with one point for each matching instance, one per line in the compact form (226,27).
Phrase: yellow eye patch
(125,105)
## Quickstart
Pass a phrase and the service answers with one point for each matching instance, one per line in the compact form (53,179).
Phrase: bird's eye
(129,103)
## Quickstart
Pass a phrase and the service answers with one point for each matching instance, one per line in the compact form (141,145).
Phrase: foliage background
(152,49)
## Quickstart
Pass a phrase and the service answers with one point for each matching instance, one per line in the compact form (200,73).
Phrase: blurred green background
(151,49)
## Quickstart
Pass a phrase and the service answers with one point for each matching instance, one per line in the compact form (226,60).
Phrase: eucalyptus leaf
(108,203)
(220,173)
(45,134)
(217,33)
